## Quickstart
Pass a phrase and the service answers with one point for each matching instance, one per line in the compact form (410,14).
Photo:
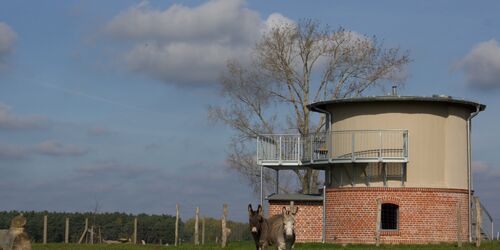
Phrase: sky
(106,101)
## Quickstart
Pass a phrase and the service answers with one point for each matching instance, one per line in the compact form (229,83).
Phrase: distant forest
(150,228)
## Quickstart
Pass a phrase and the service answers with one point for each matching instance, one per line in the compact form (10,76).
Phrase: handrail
(488,218)
(483,208)
(384,145)
(486,211)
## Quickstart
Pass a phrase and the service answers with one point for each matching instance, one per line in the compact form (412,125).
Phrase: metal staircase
(486,226)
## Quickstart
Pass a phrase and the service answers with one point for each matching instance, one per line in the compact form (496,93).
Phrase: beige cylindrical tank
(437,135)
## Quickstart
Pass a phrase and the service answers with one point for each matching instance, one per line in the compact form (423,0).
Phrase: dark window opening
(390,214)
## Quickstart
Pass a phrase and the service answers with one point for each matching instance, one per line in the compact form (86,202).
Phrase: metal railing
(281,149)
(334,147)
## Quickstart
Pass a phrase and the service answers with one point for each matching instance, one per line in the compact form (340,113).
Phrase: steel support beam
(261,185)
(277,181)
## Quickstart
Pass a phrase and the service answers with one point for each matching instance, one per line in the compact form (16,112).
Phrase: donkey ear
(259,210)
(250,210)
(283,210)
(295,210)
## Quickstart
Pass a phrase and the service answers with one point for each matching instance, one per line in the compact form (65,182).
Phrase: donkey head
(289,220)
(255,219)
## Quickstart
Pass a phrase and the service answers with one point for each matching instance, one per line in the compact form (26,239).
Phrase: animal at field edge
(15,238)
(280,229)
(256,220)
(289,226)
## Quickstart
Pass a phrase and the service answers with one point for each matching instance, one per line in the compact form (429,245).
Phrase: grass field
(250,246)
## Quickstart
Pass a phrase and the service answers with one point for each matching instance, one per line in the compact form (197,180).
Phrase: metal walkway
(347,146)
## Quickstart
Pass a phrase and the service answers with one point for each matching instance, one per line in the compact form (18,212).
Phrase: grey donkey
(282,228)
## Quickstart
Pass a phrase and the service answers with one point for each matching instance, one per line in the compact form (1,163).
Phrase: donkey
(257,221)
(15,238)
(281,229)
(289,225)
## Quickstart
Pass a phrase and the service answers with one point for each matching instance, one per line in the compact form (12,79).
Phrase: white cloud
(485,170)
(187,46)
(8,120)
(481,66)
(7,40)
(276,20)
(56,148)
(216,20)
(181,63)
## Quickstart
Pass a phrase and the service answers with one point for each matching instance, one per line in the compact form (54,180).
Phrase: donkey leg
(264,246)
(281,245)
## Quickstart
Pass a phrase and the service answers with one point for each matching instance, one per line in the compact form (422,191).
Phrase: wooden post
(135,231)
(203,231)
(92,234)
(84,230)
(45,229)
(196,226)
(224,227)
(379,218)
(459,226)
(478,222)
(66,231)
(176,240)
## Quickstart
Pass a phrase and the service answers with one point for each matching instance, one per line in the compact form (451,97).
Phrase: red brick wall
(426,215)
(308,220)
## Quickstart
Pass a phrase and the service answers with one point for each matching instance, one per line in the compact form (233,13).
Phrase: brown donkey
(256,220)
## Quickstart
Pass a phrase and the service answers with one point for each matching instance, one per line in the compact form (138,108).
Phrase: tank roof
(391,98)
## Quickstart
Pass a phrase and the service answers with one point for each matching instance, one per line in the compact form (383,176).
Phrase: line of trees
(153,229)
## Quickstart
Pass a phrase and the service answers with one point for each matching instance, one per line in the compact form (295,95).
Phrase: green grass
(250,246)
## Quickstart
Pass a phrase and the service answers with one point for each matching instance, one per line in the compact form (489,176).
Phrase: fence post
(66,231)
(459,225)
(134,241)
(478,221)
(203,231)
(379,217)
(176,243)
(225,230)
(84,230)
(196,226)
(92,234)
(45,229)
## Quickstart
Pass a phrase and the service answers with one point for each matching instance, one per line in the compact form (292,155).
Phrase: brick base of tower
(308,220)
(426,215)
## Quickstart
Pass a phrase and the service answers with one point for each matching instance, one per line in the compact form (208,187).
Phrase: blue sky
(107,100)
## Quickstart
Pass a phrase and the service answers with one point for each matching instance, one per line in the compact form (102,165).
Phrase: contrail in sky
(96,98)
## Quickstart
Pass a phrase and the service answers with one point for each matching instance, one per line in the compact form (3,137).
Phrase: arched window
(390,216)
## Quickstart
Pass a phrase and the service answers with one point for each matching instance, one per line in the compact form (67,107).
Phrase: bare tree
(294,65)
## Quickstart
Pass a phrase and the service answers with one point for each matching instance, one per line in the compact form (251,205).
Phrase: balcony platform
(324,149)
